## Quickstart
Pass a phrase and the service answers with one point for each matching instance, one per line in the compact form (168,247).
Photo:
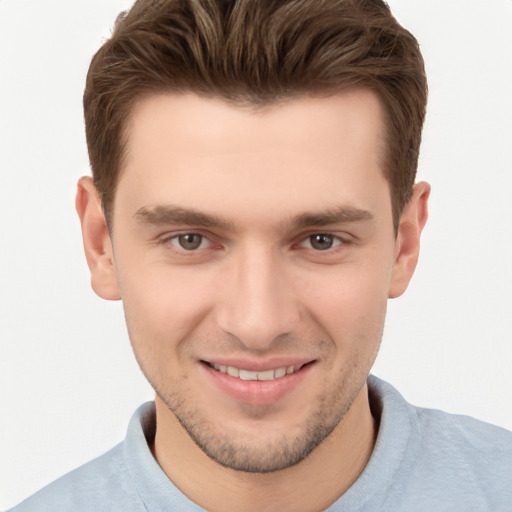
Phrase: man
(253,205)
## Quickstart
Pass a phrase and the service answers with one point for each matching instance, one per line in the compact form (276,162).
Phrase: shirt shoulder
(440,461)
(474,455)
(103,484)
(466,434)
(125,479)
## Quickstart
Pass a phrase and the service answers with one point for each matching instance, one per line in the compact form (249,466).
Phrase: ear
(412,221)
(96,238)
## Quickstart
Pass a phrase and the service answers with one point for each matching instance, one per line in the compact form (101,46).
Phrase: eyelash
(336,240)
(168,241)
(339,243)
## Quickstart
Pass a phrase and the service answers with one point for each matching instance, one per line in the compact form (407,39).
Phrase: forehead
(215,123)
(208,153)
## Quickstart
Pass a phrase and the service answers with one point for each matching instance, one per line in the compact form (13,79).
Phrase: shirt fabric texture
(423,460)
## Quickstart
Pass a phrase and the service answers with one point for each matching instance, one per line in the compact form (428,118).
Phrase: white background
(69,382)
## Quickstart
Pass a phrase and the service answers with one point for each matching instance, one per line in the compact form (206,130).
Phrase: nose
(257,304)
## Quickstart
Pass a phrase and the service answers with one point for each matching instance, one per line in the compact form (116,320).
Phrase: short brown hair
(256,52)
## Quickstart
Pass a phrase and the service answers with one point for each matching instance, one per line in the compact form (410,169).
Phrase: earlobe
(96,239)
(412,221)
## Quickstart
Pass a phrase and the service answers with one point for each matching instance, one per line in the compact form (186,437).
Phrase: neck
(313,484)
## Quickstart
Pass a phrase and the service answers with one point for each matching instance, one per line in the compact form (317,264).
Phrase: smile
(257,382)
(276,373)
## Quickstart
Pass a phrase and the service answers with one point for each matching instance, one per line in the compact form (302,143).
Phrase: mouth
(266,375)
(257,383)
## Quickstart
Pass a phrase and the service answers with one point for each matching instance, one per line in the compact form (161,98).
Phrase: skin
(257,290)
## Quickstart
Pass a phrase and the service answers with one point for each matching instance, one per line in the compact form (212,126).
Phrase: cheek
(350,303)
(161,304)
(159,319)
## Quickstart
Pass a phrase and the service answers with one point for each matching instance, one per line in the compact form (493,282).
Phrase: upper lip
(258,365)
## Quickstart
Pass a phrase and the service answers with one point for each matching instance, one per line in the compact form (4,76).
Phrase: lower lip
(257,392)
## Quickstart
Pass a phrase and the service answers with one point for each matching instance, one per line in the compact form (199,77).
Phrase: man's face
(255,244)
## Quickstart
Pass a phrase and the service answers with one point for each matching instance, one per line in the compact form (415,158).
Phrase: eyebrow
(340,215)
(169,214)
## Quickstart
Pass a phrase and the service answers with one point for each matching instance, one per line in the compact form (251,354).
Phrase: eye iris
(321,242)
(190,241)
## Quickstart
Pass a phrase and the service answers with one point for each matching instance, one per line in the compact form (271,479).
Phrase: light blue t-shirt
(423,460)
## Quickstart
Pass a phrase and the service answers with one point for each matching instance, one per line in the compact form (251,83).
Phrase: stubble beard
(241,452)
(251,455)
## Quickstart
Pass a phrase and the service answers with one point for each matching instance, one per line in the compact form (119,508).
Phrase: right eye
(189,241)
(321,241)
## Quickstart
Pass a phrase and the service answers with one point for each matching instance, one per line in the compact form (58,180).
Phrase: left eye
(189,241)
(321,241)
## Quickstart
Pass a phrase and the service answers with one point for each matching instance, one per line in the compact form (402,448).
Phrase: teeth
(251,375)
(234,372)
(280,372)
(268,375)
(247,375)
